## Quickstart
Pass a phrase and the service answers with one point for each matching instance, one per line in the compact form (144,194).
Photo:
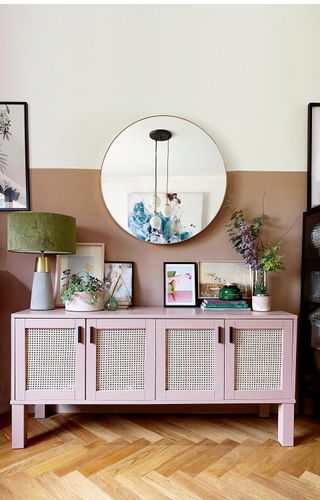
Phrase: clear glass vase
(259,282)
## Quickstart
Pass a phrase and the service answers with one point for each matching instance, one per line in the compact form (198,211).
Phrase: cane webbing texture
(258,359)
(50,359)
(189,359)
(121,359)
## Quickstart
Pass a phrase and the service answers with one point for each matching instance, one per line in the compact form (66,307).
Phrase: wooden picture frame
(14,157)
(118,277)
(89,257)
(179,284)
(313,176)
(213,275)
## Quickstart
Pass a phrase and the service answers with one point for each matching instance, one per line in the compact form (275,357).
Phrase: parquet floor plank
(28,486)
(309,477)
(113,487)
(55,488)
(76,483)
(156,457)
(287,491)
(306,458)
(294,485)
(93,425)
(249,488)
(165,427)
(210,454)
(139,487)
(37,459)
(94,452)
(232,457)
(147,458)
(132,430)
(260,455)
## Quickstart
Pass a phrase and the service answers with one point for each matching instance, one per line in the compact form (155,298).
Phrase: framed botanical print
(180,284)
(14,156)
(89,257)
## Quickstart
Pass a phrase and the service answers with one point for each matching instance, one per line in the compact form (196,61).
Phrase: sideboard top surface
(154,313)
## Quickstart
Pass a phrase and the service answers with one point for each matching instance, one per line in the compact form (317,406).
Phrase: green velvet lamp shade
(35,232)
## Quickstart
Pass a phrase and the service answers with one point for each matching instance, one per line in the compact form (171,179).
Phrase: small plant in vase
(245,237)
(82,292)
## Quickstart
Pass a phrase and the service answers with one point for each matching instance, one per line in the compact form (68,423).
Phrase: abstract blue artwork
(184,221)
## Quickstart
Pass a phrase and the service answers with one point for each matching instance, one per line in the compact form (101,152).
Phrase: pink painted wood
(287,390)
(19,425)
(189,395)
(286,424)
(24,394)
(148,393)
(156,321)
(40,411)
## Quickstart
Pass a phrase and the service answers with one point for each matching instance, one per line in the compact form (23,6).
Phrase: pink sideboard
(153,356)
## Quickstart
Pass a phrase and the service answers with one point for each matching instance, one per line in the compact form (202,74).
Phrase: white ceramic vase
(261,303)
(80,302)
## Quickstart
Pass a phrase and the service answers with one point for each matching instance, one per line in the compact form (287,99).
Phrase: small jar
(111,304)
(230,291)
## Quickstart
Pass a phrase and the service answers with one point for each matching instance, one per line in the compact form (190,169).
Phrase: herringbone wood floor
(158,457)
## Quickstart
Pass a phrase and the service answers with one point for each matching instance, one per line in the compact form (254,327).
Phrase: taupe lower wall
(77,193)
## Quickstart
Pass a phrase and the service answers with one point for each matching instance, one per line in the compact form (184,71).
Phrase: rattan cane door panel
(256,359)
(121,356)
(51,359)
(190,360)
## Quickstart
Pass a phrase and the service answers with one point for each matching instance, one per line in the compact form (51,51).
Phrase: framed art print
(180,284)
(89,257)
(14,156)
(313,197)
(214,275)
(118,278)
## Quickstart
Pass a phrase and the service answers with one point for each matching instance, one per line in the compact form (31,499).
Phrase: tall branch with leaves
(245,237)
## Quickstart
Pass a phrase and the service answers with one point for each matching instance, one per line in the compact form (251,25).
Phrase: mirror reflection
(163,179)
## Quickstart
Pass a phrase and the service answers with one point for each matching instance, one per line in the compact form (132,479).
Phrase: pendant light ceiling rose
(160,135)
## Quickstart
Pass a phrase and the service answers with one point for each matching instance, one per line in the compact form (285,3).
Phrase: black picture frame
(313,161)
(14,156)
(122,301)
(180,297)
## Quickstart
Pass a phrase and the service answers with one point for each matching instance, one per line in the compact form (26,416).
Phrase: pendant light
(158,135)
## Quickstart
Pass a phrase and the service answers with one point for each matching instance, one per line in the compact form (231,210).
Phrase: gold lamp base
(42,290)
(42,264)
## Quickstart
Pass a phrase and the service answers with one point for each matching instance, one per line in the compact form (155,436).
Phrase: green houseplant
(246,237)
(82,292)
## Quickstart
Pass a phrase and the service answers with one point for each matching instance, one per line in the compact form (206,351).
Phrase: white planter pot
(261,303)
(80,301)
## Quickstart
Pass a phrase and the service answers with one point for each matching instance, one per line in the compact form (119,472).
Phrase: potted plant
(263,258)
(82,292)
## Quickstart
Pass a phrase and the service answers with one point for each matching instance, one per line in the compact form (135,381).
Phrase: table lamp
(43,233)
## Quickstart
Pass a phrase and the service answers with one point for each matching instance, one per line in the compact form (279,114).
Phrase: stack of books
(224,305)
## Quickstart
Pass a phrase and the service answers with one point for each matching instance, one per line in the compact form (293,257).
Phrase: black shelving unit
(309,338)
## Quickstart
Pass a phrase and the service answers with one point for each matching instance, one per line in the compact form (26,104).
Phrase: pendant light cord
(167,180)
(155,177)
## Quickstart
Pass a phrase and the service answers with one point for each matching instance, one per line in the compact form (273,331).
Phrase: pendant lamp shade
(36,232)
(43,233)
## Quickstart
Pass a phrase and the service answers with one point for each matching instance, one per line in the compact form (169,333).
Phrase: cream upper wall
(243,73)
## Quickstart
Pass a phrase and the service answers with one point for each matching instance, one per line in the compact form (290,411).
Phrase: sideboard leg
(19,426)
(286,424)
(264,410)
(40,411)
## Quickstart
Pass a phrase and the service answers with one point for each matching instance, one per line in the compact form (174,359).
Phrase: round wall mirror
(163,179)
